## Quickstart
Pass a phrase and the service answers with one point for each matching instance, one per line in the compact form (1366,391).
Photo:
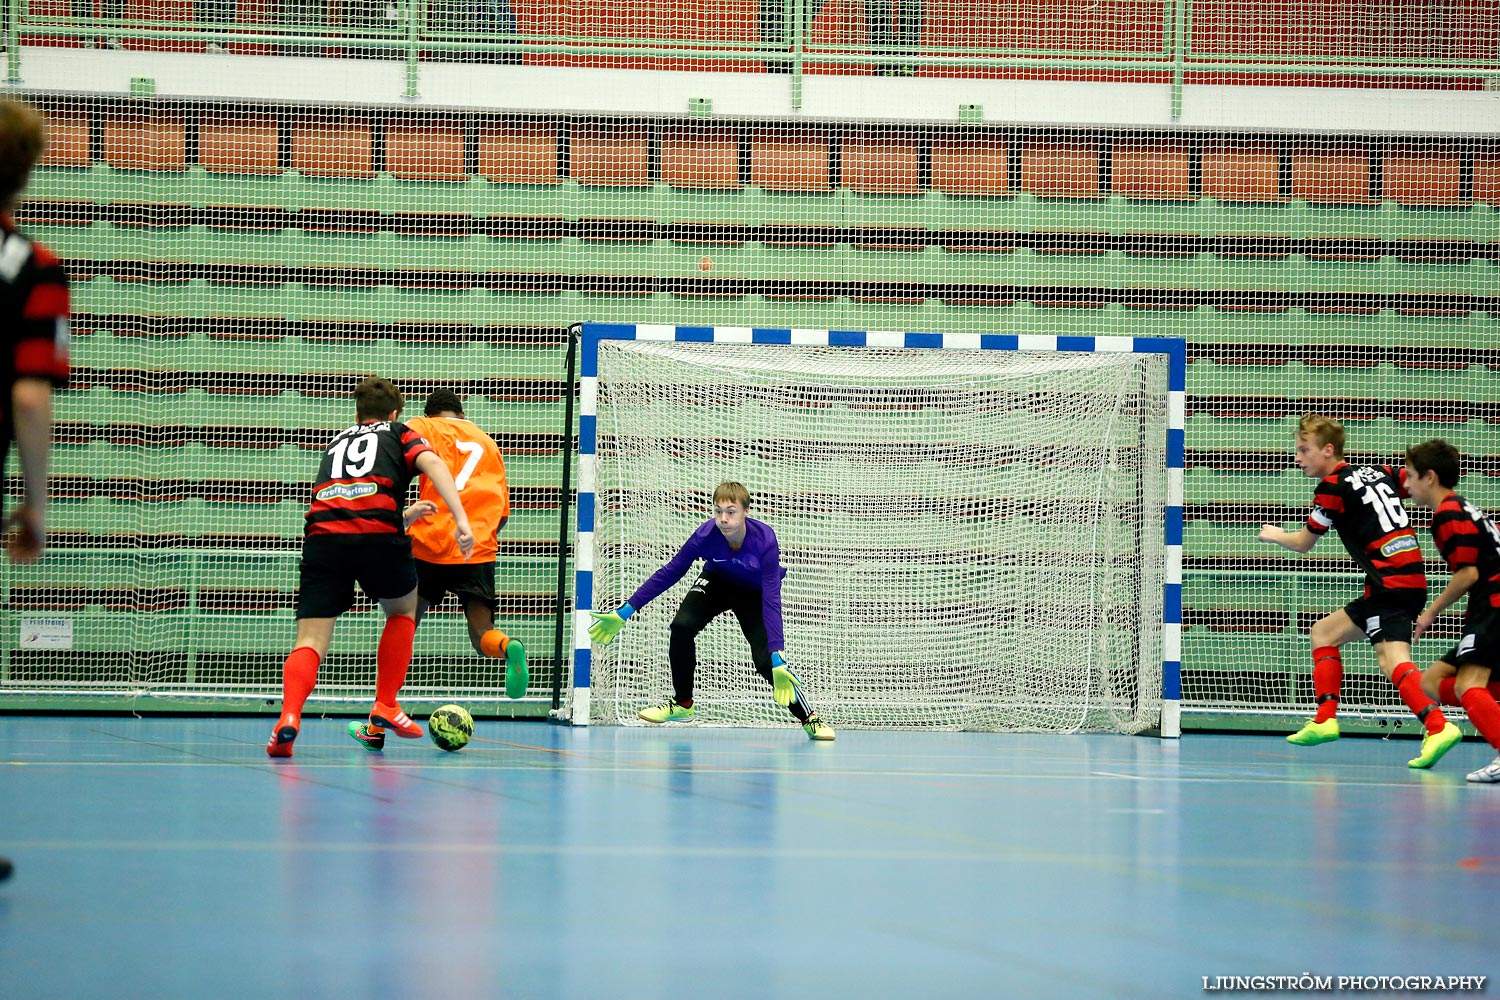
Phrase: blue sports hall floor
(168,858)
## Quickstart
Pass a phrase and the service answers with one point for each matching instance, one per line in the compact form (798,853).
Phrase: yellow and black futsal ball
(450,727)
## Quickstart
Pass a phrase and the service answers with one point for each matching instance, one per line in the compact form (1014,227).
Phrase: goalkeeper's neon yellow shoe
(1434,745)
(1314,733)
(785,685)
(817,729)
(667,711)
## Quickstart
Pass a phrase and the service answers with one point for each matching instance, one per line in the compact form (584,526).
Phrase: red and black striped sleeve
(43,337)
(1456,534)
(1328,503)
(1399,475)
(412,445)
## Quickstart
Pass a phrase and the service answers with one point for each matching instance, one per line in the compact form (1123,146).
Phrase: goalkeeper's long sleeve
(756,565)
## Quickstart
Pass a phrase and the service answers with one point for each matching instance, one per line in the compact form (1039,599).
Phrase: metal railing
(410,31)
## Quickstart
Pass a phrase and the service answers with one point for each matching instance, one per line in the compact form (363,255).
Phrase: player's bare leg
(1440,679)
(1437,682)
(490,641)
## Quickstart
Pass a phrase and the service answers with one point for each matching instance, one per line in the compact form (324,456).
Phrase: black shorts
(471,583)
(1387,617)
(1478,645)
(382,566)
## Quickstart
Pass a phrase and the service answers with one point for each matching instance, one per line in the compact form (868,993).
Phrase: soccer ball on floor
(450,727)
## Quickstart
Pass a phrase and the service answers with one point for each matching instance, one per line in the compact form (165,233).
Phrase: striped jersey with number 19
(1364,504)
(362,480)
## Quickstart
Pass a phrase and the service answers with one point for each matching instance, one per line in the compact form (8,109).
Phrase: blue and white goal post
(979,531)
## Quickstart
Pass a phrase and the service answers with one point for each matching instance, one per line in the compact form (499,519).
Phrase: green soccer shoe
(667,711)
(516,674)
(360,732)
(817,729)
(1434,745)
(1314,733)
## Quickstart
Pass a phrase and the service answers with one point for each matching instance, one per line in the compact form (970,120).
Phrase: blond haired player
(478,471)
(1363,504)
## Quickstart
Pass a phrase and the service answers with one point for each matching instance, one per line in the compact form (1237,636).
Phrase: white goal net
(973,538)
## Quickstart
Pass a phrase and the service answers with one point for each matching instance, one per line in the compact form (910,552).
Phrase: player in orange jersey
(479,472)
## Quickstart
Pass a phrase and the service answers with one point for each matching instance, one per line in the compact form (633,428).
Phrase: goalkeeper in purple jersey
(741,573)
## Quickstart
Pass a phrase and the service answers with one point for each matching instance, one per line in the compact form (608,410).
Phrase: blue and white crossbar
(1173,348)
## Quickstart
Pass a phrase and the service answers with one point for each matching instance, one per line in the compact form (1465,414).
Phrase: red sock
(393,657)
(1328,676)
(299,675)
(493,643)
(1448,696)
(1408,681)
(1484,712)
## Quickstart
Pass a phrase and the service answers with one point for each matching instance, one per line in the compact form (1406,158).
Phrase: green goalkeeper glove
(607,624)
(783,681)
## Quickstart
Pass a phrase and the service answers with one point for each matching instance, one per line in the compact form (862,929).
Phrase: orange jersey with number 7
(479,473)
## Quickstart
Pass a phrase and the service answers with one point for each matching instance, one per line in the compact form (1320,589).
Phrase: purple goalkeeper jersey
(757,566)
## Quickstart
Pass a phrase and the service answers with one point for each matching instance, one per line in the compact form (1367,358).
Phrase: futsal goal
(980,532)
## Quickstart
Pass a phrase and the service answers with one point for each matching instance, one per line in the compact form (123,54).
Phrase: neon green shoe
(373,742)
(785,685)
(817,729)
(667,711)
(1434,745)
(1314,733)
(516,674)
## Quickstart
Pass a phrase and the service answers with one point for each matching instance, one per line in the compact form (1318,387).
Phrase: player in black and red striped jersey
(355,534)
(34,314)
(1363,503)
(34,328)
(1470,544)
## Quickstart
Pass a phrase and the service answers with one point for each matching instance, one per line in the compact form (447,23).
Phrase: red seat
(790,160)
(1151,171)
(1242,172)
(611,155)
(1487,178)
(334,147)
(519,153)
(878,162)
(701,157)
(1331,176)
(238,144)
(1421,176)
(159,14)
(430,151)
(971,167)
(1061,169)
(140,142)
(67,137)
